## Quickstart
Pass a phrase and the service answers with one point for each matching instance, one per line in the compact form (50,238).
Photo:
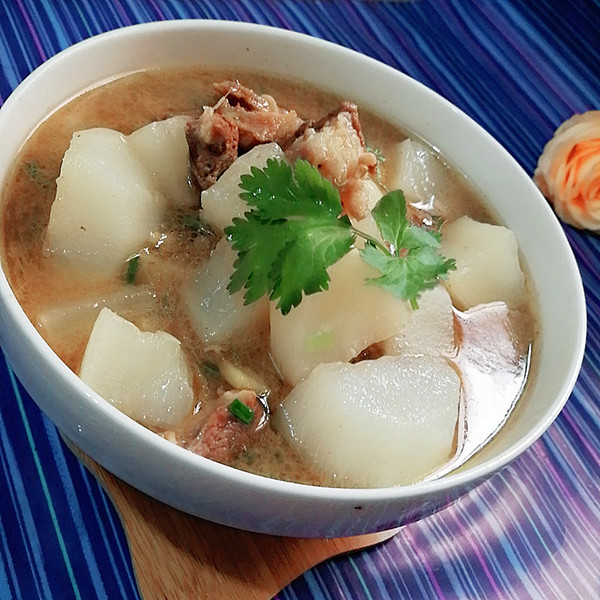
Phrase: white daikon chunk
(162,148)
(376,423)
(430,329)
(487,264)
(338,324)
(106,205)
(423,177)
(143,374)
(418,171)
(370,191)
(217,315)
(61,319)
(360,196)
(221,201)
(367,223)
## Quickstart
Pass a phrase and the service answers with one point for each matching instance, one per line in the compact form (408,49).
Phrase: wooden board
(179,557)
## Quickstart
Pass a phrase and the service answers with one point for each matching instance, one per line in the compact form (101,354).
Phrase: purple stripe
(425,562)
(32,31)
(479,556)
(476,540)
(157,10)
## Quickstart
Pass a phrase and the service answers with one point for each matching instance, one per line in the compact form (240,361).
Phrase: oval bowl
(222,494)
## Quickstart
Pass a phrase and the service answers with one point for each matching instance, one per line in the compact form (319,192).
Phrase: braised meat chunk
(335,144)
(213,143)
(224,436)
(257,116)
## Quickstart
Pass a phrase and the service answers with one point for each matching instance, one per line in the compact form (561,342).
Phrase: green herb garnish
(241,412)
(37,174)
(295,230)
(410,263)
(196,224)
(133,265)
(211,370)
(289,238)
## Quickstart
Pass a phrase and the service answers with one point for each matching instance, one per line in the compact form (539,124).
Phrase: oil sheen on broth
(63,308)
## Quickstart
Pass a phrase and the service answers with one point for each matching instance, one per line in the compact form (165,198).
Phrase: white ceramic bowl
(222,494)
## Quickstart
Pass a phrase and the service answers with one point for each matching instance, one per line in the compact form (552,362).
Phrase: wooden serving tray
(179,557)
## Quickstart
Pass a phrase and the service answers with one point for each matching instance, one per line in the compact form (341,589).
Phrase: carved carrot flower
(568,171)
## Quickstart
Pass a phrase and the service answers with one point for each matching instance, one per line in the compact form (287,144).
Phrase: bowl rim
(446,483)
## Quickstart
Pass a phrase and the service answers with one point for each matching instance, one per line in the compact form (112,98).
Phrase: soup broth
(63,306)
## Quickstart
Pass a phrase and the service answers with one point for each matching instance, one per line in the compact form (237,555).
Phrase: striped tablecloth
(519,68)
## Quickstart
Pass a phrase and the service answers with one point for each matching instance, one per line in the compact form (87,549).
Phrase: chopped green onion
(211,370)
(196,224)
(37,174)
(132,268)
(240,411)
(320,341)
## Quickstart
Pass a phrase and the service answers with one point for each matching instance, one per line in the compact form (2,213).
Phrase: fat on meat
(213,143)
(258,117)
(240,120)
(336,146)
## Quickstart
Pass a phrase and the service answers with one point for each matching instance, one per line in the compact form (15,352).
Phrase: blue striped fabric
(532,531)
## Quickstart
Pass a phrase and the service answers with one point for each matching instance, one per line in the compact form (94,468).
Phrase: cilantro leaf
(390,217)
(280,192)
(412,264)
(292,233)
